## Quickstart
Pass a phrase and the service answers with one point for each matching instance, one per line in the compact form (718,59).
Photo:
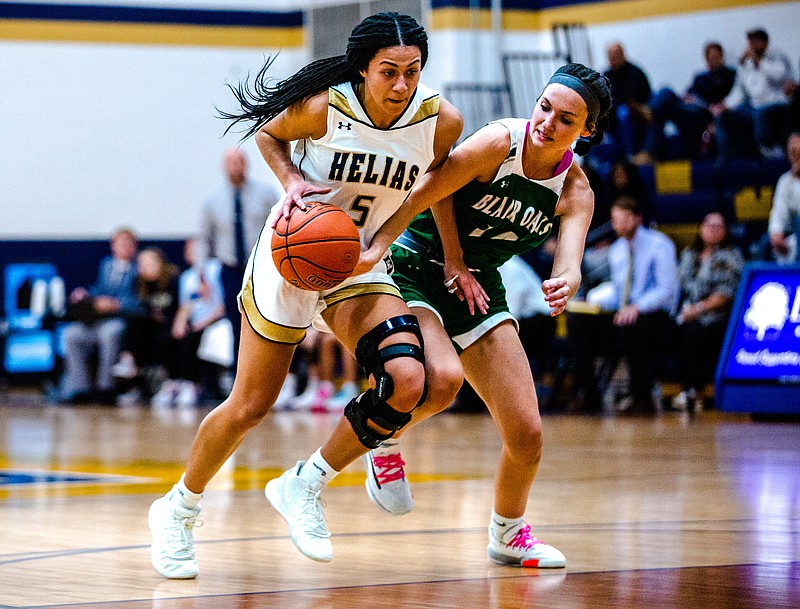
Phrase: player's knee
(408,380)
(397,367)
(398,371)
(444,380)
(524,444)
(248,406)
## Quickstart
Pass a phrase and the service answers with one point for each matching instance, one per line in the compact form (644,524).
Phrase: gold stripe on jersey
(264,327)
(339,101)
(361,289)
(428,108)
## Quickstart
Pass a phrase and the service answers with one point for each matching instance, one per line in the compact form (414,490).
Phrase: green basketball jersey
(508,216)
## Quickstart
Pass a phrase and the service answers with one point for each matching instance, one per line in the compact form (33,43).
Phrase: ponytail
(584,144)
(263,101)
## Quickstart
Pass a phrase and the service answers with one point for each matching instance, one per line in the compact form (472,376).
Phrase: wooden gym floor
(650,512)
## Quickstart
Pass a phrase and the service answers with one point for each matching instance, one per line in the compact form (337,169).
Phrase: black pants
(232,276)
(189,367)
(644,346)
(149,341)
(701,347)
(591,337)
(536,334)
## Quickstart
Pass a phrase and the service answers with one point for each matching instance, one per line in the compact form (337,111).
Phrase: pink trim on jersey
(566,160)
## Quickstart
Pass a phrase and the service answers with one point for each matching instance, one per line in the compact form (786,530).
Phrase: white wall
(96,135)
(669,49)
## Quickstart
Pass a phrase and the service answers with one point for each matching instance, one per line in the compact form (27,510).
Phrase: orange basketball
(316,249)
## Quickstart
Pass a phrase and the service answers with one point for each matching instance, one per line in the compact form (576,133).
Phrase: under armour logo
(387,260)
(343,125)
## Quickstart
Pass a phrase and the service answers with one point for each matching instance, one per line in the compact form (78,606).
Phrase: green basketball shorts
(421,283)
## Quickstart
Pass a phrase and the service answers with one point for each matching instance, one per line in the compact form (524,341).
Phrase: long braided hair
(264,99)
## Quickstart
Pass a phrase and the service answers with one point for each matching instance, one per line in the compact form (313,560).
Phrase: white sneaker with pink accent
(387,484)
(519,548)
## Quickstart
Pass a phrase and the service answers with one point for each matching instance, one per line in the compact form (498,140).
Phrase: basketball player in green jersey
(510,180)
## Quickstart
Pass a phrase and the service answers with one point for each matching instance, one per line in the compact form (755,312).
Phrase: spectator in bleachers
(146,344)
(784,218)
(691,114)
(644,274)
(631,91)
(200,304)
(641,292)
(230,224)
(626,181)
(709,273)
(100,314)
(757,109)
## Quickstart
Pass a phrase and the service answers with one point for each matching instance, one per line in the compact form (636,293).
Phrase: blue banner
(765,345)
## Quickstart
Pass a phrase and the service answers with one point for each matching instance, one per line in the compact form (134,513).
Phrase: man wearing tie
(645,276)
(231,221)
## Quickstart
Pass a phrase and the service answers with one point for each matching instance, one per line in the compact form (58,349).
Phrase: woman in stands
(709,272)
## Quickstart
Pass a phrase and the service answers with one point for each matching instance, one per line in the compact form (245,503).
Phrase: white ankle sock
(388,447)
(316,471)
(501,527)
(183,497)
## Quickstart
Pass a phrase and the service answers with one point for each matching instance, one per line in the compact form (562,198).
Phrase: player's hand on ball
(294,198)
(556,293)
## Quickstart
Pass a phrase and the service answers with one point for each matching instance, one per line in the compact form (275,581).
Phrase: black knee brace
(372,404)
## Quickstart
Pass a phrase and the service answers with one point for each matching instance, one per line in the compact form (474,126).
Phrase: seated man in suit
(637,303)
(644,271)
(100,312)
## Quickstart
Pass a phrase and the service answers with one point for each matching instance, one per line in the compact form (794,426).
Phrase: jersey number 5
(361,205)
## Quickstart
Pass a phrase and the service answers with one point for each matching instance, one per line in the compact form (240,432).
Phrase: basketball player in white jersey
(366,131)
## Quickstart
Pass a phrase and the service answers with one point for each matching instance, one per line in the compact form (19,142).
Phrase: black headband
(577,85)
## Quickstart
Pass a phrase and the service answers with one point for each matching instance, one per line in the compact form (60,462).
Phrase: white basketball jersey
(370,170)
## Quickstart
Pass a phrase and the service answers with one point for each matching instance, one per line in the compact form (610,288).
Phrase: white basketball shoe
(387,484)
(299,504)
(173,542)
(519,548)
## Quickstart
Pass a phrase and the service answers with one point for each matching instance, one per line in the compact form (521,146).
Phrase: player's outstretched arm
(477,157)
(575,209)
